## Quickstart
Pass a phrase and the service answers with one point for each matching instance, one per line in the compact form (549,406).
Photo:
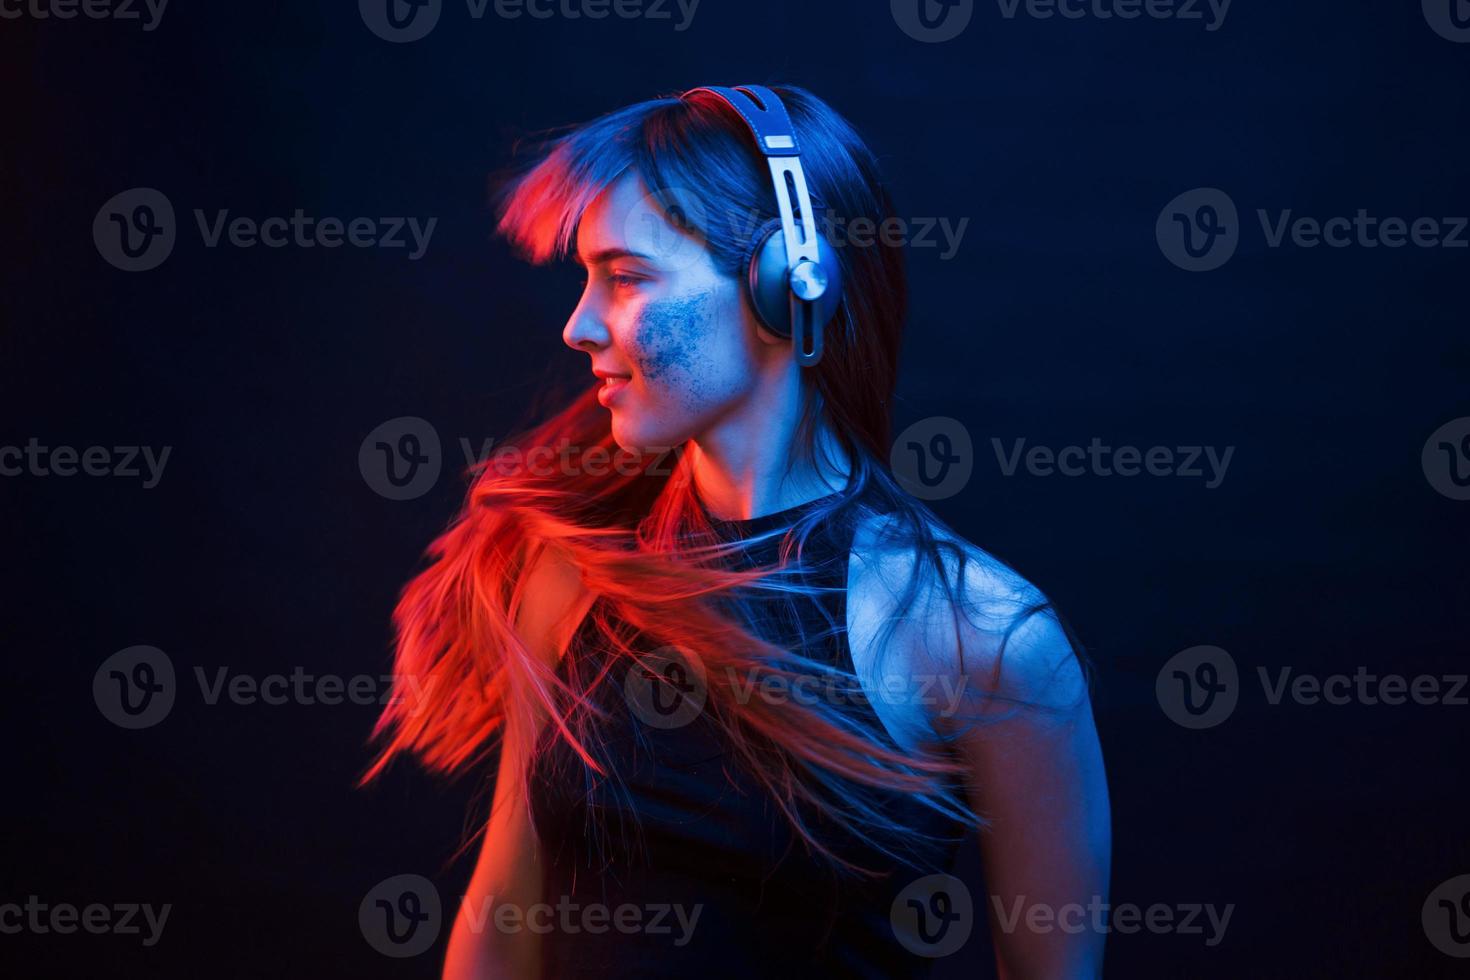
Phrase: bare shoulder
(980,625)
(553,601)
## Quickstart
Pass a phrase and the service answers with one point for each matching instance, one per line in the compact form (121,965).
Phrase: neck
(747,464)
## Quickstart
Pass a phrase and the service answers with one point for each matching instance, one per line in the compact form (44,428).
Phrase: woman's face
(656,311)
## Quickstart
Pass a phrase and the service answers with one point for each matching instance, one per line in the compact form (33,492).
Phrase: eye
(616,281)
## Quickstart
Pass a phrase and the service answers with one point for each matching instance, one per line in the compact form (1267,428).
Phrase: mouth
(612,384)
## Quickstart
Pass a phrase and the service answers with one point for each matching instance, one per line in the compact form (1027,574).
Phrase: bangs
(541,209)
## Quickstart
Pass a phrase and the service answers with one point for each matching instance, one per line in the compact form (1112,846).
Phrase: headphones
(793,280)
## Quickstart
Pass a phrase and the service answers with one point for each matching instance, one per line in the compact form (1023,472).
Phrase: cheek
(684,351)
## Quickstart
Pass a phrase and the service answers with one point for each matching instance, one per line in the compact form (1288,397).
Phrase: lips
(612,384)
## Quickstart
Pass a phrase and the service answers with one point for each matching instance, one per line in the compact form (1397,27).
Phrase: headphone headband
(765,114)
(807,275)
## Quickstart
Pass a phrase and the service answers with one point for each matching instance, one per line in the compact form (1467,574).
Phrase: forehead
(624,216)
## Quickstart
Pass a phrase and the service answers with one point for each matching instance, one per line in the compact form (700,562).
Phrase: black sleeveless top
(678,863)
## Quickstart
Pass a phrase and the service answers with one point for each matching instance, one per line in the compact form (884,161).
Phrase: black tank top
(678,864)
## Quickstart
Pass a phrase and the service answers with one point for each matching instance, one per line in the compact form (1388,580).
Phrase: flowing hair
(467,686)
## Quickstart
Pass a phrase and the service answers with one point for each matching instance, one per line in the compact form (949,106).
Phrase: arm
(507,870)
(1037,774)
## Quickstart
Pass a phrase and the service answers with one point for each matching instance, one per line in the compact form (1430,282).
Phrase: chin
(635,435)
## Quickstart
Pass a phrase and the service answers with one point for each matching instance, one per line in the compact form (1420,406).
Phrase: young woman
(742,693)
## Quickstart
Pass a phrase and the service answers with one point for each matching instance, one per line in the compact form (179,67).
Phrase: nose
(585,330)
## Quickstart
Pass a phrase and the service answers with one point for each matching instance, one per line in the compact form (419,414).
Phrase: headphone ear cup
(768,280)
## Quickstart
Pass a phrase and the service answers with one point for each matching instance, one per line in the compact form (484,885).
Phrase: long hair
(468,686)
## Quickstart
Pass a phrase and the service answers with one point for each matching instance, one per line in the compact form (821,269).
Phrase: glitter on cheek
(673,346)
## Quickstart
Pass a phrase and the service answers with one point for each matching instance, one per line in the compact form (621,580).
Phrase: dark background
(264,549)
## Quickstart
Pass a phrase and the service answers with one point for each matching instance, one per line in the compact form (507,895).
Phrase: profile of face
(657,311)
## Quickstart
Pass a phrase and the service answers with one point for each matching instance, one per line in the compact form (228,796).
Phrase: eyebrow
(608,255)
